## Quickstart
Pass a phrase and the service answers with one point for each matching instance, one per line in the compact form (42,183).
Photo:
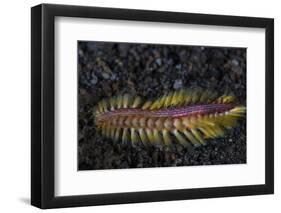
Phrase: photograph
(138,105)
(146,105)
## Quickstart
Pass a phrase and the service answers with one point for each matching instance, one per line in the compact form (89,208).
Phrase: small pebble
(235,62)
(177,84)
(113,77)
(105,75)
(178,66)
(94,79)
(158,61)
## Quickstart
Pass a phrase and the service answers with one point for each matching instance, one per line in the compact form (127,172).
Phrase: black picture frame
(43,117)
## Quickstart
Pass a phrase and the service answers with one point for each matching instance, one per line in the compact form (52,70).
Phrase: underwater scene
(160,105)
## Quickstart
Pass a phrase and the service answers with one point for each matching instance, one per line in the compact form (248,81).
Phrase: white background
(15,106)
(70,182)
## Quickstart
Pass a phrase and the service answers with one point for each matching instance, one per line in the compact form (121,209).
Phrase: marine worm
(186,116)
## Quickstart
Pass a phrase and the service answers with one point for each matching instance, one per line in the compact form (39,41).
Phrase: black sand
(107,69)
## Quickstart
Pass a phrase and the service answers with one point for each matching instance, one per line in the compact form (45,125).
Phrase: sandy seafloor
(148,70)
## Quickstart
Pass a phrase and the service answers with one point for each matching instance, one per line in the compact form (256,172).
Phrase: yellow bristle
(149,134)
(205,131)
(104,105)
(198,136)
(103,129)
(237,112)
(228,99)
(107,131)
(187,96)
(178,98)
(143,137)
(168,99)
(117,134)
(184,96)
(195,96)
(154,105)
(112,103)
(125,135)
(238,109)
(112,132)
(218,100)
(166,137)
(190,137)
(146,105)
(193,122)
(99,108)
(136,102)
(180,138)
(207,121)
(213,96)
(175,98)
(161,102)
(211,133)
(119,100)
(234,114)
(134,136)
(204,97)
(96,111)
(224,99)
(126,99)
(218,131)
(225,119)
(156,136)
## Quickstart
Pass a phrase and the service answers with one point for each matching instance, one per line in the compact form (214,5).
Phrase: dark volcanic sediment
(107,69)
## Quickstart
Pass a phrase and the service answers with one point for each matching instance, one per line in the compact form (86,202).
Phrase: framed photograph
(139,106)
